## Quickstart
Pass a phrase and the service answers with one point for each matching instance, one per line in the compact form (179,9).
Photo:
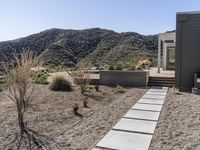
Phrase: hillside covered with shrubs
(96,46)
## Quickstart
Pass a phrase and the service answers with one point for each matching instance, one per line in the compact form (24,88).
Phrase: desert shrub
(118,66)
(110,67)
(2,84)
(41,78)
(143,64)
(139,67)
(96,88)
(60,83)
(86,89)
(81,76)
(131,66)
(18,76)
(119,89)
(75,109)
(106,67)
(2,81)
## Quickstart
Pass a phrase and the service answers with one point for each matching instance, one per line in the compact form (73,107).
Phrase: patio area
(153,72)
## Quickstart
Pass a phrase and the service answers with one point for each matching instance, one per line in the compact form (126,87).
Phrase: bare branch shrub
(81,75)
(19,77)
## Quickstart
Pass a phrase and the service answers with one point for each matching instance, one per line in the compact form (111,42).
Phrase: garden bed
(52,115)
(179,122)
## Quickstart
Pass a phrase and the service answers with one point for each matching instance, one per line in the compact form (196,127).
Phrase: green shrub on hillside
(119,66)
(110,67)
(60,83)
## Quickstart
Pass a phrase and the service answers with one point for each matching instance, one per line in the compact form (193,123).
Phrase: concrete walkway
(135,130)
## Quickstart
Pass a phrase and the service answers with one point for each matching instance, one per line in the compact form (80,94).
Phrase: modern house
(166,50)
(187,49)
(180,50)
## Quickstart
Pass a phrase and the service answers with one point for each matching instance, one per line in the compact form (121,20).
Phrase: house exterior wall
(187,49)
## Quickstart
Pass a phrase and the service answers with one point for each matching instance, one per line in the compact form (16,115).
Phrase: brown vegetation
(19,78)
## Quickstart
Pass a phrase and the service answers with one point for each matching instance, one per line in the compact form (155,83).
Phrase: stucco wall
(124,78)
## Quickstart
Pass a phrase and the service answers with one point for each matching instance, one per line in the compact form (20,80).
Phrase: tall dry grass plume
(19,76)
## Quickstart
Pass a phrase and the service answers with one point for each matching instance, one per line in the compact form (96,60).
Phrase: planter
(136,78)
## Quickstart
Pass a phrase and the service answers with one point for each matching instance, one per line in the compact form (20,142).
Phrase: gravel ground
(179,125)
(52,115)
(86,135)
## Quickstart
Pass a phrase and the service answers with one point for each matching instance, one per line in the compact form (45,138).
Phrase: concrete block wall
(137,78)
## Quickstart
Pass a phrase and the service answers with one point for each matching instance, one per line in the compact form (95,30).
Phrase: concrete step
(167,85)
(161,78)
(161,81)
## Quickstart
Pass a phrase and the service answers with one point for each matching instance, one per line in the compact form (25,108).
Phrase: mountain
(98,46)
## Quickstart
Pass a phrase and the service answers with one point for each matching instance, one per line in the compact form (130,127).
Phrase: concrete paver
(148,96)
(140,114)
(135,130)
(147,107)
(134,125)
(157,93)
(125,141)
(151,101)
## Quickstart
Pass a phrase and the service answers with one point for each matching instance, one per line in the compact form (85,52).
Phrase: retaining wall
(137,78)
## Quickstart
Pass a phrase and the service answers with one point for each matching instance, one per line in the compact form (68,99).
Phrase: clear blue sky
(24,17)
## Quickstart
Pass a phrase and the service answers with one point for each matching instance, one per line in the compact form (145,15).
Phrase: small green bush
(110,67)
(41,78)
(118,66)
(119,89)
(2,81)
(131,66)
(2,84)
(60,83)
(96,88)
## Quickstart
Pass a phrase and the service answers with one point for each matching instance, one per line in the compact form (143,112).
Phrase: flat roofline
(188,12)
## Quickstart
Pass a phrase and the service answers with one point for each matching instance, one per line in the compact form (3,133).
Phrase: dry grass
(19,79)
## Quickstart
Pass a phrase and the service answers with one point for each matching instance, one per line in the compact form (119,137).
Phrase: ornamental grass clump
(60,83)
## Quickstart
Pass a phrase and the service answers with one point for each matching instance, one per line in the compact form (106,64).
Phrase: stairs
(161,81)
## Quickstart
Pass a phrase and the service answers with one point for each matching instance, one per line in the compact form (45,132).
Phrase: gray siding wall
(187,50)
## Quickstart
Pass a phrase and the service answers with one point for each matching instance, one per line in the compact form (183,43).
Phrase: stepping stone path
(135,130)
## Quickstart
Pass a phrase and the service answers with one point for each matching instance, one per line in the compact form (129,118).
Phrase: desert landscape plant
(20,89)
(60,83)
(96,88)
(81,76)
(41,77)
(119,89)
(75,109)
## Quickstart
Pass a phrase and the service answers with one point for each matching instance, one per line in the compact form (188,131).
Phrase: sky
(21,18)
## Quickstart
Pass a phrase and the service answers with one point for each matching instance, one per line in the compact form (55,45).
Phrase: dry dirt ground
(179,125)
(52,115)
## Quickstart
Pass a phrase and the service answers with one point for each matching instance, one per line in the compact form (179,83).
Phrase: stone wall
(137,78)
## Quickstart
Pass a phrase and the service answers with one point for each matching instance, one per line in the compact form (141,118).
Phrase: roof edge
(188,12)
